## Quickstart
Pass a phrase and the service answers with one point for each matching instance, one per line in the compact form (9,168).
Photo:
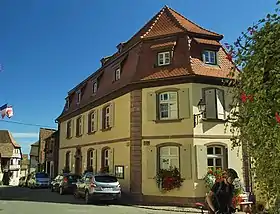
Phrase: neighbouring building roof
(34,150)
(7,143)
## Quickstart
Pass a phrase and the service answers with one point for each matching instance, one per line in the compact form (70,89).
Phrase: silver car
(98,187)
(39,180)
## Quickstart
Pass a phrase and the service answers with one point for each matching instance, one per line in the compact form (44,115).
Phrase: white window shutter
(100,119)
(112,114)
(210,101)
(173,108)
(201,161)
(220,104)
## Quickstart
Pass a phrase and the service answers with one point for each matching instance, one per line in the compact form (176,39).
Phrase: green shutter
(151,106)
(151,161)
(186,161)
(201,161)
(184,103)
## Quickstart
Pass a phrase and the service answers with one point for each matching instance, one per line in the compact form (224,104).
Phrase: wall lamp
(201,108)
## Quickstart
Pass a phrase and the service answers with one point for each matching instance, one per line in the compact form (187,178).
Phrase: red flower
(277,117)
(250,97)
(243,97)
(210,172)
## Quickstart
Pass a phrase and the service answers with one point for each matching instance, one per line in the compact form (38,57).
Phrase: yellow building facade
(139,113)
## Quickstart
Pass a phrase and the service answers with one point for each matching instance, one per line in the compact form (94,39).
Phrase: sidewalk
(175,209)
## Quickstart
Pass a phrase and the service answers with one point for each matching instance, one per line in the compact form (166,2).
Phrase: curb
(187,210)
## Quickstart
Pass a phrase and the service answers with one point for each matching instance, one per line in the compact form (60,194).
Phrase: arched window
(67,160)
(215,157)
(169,157)
(106,157)
(168,108)
(90,158)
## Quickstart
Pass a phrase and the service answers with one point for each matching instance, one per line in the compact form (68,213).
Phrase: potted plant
(169,179)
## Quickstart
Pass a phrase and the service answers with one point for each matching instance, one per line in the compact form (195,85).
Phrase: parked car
(39,180)
(98,187)
(64,183)
(22,181)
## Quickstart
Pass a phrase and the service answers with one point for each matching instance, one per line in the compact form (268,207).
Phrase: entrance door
(78,162)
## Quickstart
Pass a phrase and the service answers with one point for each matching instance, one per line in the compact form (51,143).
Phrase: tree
(255,116)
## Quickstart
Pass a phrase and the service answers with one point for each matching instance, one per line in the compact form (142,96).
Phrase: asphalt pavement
(33,201)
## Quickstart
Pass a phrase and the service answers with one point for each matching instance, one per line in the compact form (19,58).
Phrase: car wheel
(61,192)
(87,200)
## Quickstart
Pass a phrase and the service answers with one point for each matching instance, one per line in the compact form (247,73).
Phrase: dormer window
(117,74)
(164,58)
(210,57)
(79,96)
(67,103)
(94,87)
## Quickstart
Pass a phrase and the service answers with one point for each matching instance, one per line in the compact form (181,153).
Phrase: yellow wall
(150,128)
(203,134)
(120,130)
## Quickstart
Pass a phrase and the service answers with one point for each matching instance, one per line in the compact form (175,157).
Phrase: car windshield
(41,175)
(105,178)
(73,177)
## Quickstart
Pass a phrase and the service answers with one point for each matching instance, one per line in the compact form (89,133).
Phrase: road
(26,201)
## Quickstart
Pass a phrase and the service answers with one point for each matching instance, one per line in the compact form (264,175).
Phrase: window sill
(91,133)
(106,129)
(80,135)
(168,121)
(161,66)
(214,120)
(68,138)
(212,65)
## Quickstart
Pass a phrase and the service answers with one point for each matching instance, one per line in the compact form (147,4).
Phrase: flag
(9,111)
(3,109)
(6,111)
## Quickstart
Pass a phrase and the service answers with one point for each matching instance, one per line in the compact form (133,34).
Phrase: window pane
(164,163)
(210,150)
(206,56)
(174,150)
(218,150)
(210,162)
(164,97)
(164,151)
(174,162)
(218,162)
(212,57)
(163,108)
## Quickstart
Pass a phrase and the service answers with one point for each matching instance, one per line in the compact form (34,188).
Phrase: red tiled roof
(168,21)
(163,45)
(165,73)
(207,41)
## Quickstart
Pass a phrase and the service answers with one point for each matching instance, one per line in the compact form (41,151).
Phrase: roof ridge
(179,14)
(156,20)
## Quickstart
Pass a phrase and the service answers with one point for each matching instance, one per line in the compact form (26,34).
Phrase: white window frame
(164,58)
(117,74)
(94,87)
(92,121)
(209,61)
(79,121)
(79,96)
(107,115)
(169,99)
(168,157)
(91,157)
(106,157)
(215,156)
(69,129)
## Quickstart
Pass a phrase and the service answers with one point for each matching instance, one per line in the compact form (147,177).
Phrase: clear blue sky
(47,47)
